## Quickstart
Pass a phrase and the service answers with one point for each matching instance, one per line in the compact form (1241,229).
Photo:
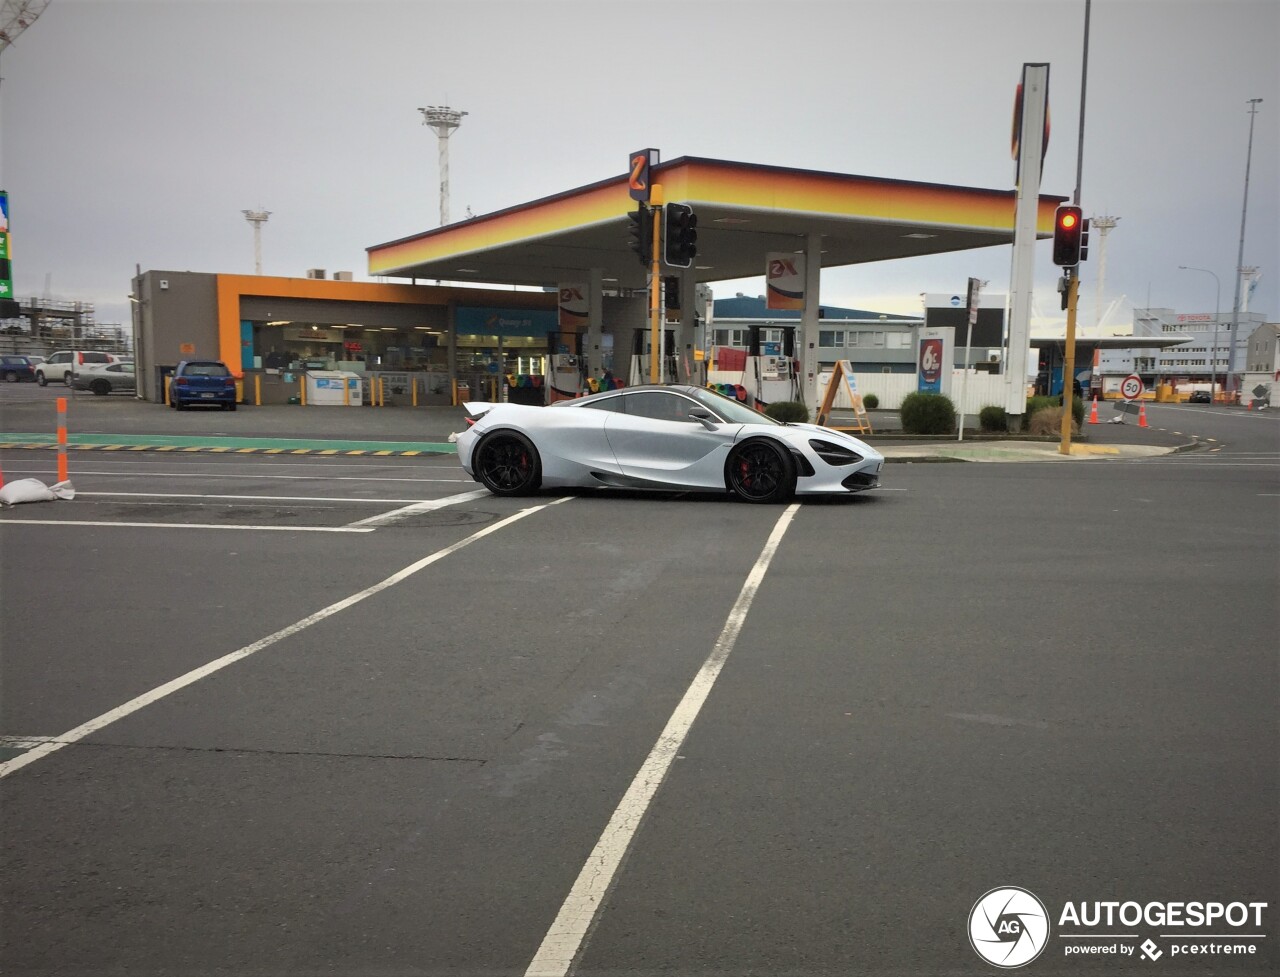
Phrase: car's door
(656,440)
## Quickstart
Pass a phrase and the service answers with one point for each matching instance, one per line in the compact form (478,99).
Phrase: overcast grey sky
(137,132)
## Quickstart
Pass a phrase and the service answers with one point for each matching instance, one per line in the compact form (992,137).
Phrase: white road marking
(242,498)
(567,933)
(185,525)
(430,505)
(150,474)
(195,675)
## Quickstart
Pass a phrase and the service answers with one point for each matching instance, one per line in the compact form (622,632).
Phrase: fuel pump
(771,373)
(566,366)
(640,357)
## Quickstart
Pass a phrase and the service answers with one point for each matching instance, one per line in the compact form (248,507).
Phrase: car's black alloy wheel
(508,464)
(760,471)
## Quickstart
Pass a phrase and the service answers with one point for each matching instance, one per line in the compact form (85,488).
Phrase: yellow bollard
(415,391)
(257,390)
(302,390)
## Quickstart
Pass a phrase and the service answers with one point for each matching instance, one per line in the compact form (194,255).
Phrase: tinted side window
(659,406)
(94,358)
(607,403)
(60,358)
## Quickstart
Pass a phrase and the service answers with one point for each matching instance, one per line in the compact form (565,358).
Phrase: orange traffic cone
(1142,416)
(1093,411)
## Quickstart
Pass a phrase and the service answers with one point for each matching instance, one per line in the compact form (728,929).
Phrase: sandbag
(34,490)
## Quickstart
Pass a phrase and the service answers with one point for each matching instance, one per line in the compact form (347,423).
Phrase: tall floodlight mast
(443,120)
(16,16)
(1104,226)
(257,218)
(1232,384)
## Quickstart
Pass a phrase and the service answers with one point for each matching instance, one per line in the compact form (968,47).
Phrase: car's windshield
(732,410)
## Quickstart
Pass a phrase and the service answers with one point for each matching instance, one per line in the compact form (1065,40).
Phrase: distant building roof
(753,307)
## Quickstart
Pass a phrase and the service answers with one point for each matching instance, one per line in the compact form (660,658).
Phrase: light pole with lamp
(1217,308)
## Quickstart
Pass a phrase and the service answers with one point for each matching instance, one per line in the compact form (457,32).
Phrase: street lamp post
(1217,307)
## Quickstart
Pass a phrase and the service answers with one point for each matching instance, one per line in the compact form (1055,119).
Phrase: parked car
(105,378)
(60,365)
(202,382)
(16,368)
(677,438)
(1199,397)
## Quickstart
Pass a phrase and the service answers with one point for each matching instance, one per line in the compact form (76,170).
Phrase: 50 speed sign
(1131,387)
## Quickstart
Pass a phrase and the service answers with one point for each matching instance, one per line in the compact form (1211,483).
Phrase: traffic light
(1068,233)
(680,235)
(671,293)
(641,232)
(1084,239)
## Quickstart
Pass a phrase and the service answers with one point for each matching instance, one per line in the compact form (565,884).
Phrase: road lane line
(386,518)
(186,525)
(243,498)
(181,682)
(143,473)
(565,938)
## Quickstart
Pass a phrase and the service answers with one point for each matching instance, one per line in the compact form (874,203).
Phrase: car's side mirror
(704,417)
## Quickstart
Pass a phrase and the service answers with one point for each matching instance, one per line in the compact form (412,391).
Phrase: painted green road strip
(169,442)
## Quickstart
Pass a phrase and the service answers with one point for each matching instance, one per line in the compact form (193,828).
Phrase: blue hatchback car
(202,382)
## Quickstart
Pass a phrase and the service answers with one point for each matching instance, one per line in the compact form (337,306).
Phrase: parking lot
(301,713)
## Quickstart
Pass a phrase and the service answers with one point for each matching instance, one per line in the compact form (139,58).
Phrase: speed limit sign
(1131,387)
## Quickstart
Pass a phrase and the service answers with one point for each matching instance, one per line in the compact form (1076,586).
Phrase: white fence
(980,389)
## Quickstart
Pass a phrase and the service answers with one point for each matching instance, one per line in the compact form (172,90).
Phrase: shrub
(928,414)
(787,411)
(993,419)
(1047,421)
(870,401)
(1037,404)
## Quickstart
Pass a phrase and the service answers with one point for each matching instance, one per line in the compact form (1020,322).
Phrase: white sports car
(673,438)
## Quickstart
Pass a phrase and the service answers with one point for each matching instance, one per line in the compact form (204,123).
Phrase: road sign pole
(1069,362)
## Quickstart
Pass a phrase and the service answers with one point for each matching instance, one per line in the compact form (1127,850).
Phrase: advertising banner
(784,281)
(934,360)
(6,275)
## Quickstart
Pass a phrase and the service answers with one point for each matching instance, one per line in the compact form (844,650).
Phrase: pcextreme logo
(1009,927)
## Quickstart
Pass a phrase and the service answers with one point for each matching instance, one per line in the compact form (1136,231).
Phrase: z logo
(639,172)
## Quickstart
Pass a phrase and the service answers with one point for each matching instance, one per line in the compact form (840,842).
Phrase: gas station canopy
(744,211)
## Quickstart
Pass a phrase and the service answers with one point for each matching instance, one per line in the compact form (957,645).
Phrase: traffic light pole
(655,288)
(1069,360)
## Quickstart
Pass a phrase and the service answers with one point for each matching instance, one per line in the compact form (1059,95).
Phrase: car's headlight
(834,454)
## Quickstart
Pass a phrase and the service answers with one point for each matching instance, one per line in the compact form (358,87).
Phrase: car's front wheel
(42,380)
(760,471)
(100,387)
(507,463)
(10,377)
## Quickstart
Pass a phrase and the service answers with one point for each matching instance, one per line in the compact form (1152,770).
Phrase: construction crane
(16,16)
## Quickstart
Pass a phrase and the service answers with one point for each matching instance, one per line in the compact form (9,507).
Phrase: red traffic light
(1067,229)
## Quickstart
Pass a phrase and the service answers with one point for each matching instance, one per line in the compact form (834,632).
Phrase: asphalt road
(415,741)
